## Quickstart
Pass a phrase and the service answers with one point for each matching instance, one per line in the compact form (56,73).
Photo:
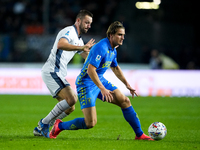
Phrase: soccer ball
(157,131)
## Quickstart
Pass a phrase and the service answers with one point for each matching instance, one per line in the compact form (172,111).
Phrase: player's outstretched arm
(90,43)
(118,72)
(63,44)
(87,48)
(132,91)
(84,54)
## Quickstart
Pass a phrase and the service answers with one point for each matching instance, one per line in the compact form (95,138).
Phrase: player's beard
(82,29)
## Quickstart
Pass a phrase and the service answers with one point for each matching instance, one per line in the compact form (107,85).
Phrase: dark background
(26,35)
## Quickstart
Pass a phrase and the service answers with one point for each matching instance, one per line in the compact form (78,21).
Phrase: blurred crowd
(22,18)
(26,16)
(186,58)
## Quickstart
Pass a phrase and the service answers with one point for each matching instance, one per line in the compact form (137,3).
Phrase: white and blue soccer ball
(157,130)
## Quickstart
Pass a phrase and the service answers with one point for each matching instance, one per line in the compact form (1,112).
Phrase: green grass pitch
(19,114)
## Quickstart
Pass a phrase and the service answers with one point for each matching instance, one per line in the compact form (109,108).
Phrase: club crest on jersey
(98,58)
(67,33)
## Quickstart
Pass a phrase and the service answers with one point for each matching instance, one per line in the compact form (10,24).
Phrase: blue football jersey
(102,56)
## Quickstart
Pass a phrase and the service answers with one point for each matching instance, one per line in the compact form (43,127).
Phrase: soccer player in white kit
(68,42)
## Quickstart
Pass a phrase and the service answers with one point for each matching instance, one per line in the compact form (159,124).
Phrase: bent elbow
(59,46)
(91,70)
(88,72)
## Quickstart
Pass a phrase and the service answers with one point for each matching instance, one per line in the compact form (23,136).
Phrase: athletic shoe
(55,130)
(44,128)
(37,132)
(144,137)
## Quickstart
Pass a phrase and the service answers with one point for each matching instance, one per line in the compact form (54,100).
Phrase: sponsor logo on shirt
(98,58)
(106,64)
(67,33)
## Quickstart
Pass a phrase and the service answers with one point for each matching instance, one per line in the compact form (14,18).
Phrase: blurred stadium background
(160,57)
(160,34)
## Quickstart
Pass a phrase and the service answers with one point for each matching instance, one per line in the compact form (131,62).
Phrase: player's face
(118,37)
(85,24)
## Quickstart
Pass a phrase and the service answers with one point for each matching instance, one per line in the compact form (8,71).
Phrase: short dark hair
(83,13)
(112,29)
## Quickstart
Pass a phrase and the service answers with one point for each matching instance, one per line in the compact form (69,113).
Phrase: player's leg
(89,121)
(90,115)
(129,113)
(59,87)
(123,102)
(87,99)
(37,132)
(63,114)
(68,111)
(69,98)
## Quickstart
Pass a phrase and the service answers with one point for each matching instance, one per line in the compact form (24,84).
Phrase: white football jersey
(58,59)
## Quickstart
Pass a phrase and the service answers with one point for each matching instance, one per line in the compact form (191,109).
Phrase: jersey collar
(109,45)
(76,31)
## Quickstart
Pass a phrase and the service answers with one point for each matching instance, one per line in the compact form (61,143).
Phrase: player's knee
(126,102)
(91,124)
(70,110)
(71,100)
(74,99)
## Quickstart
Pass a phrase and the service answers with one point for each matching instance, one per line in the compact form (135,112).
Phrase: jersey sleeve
(67,35)
(96,55)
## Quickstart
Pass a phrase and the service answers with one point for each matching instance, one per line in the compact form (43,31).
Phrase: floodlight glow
(157,1)
(147,5)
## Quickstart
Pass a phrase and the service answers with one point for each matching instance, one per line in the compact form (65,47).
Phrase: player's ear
(78,20)
(111,35)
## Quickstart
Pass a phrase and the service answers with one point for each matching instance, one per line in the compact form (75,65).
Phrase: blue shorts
(88,93)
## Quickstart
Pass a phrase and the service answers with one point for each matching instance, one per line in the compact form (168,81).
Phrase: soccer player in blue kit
(92,85)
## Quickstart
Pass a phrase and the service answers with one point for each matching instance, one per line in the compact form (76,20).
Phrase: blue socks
(75,124)
(129,114)
(131,117)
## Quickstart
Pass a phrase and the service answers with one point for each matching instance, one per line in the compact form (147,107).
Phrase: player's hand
(132,91)
(107,95)
(86,47)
